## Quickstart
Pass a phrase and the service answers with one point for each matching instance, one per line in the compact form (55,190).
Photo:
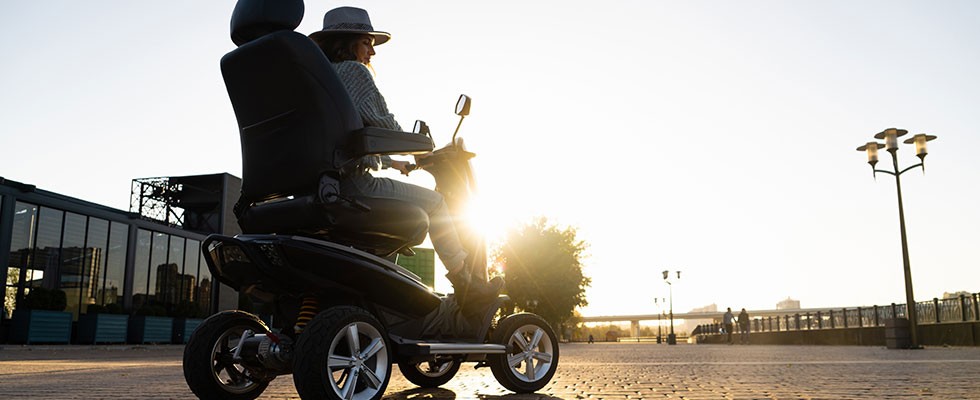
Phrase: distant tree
(9,295)
(543,266)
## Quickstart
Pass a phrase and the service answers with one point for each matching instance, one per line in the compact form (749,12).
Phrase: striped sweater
(368,102)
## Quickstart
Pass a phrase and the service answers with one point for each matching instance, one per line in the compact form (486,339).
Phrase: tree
(543,266)
(13,275)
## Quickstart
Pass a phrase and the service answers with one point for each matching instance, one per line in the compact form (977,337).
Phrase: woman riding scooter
(348,41)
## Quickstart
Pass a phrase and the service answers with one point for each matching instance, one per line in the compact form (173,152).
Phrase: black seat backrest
(293,112)
(298,128)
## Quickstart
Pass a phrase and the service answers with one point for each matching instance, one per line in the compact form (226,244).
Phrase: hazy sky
(713,137)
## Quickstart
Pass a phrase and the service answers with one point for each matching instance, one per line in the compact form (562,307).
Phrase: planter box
(146,329)
(102,328)
(40,326)
(184,327)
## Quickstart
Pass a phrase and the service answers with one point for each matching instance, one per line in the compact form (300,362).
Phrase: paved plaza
(599,371)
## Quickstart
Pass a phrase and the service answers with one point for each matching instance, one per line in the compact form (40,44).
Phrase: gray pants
(442,232)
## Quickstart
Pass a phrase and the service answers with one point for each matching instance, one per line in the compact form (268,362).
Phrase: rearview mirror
(421,128)
(463,105)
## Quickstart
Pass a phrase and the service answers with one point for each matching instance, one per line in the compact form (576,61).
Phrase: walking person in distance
(743,325)
(727,322)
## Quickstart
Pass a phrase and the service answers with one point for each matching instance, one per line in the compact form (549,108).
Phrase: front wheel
(343,354)
(532,353)
(429,374)
(209,366)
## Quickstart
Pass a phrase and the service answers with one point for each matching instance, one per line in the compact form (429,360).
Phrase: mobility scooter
(338,312)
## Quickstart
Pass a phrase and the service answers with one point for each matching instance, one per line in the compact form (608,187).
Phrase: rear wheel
(430,374)
(343,354)
(532,353)
(209,367)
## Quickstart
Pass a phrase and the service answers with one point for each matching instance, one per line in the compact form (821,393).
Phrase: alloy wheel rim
(232,376)
(357,362)
(432,369)
(532,354)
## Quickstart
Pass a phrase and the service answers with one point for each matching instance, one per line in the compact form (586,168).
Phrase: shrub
(59,300)
(95,309)
(152,311)
(40,298)
(111,308)
(36,299)
(187,310)
(114,308)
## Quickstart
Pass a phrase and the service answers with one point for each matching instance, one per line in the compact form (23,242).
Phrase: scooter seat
(388,227)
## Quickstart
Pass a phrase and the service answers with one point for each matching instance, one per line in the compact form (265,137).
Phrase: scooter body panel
(296,264)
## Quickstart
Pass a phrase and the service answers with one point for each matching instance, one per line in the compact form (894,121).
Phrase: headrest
(253,19)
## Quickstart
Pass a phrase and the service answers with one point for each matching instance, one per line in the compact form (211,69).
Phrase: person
(743,325)
(727,322)
(348,40)
(591,339)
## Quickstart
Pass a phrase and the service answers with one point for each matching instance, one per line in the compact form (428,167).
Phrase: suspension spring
(309,308)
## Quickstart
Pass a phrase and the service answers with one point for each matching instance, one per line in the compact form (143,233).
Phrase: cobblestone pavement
(598,371)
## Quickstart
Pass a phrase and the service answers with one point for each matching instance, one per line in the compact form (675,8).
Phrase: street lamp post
(891,136)
(671,337)
(659,303)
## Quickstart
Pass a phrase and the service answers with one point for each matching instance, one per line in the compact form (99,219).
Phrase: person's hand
(401,166)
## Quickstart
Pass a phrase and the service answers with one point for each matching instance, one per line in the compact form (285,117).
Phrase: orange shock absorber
(307,311)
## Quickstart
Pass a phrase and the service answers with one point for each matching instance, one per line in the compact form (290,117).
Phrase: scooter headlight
(272,253)
(230,254)
(223,253)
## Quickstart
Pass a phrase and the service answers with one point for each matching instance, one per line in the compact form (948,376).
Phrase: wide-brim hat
(350,20)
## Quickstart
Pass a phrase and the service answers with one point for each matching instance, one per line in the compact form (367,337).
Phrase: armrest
(371,140)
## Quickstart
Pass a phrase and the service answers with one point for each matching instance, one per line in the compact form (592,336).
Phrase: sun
(487,220)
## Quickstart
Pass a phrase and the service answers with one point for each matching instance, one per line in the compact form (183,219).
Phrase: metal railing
(958,309)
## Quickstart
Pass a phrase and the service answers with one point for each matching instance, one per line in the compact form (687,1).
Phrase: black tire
(531,344)
(208,369)
(341,342)
(429,374)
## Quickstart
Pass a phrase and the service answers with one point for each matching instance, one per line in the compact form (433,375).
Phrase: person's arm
(370,104)
(365,95)
(401,166)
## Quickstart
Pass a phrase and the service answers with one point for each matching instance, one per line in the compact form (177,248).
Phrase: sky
(713,138)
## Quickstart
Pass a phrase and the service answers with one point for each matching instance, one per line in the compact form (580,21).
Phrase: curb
(113,347)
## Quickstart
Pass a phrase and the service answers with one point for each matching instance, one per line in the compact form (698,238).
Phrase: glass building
(104,256)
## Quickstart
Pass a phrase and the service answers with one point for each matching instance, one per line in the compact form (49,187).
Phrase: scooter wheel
(209,369)
(429,374)
(532,353)
(342,354)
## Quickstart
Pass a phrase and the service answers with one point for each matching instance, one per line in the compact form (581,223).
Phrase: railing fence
(936,311)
